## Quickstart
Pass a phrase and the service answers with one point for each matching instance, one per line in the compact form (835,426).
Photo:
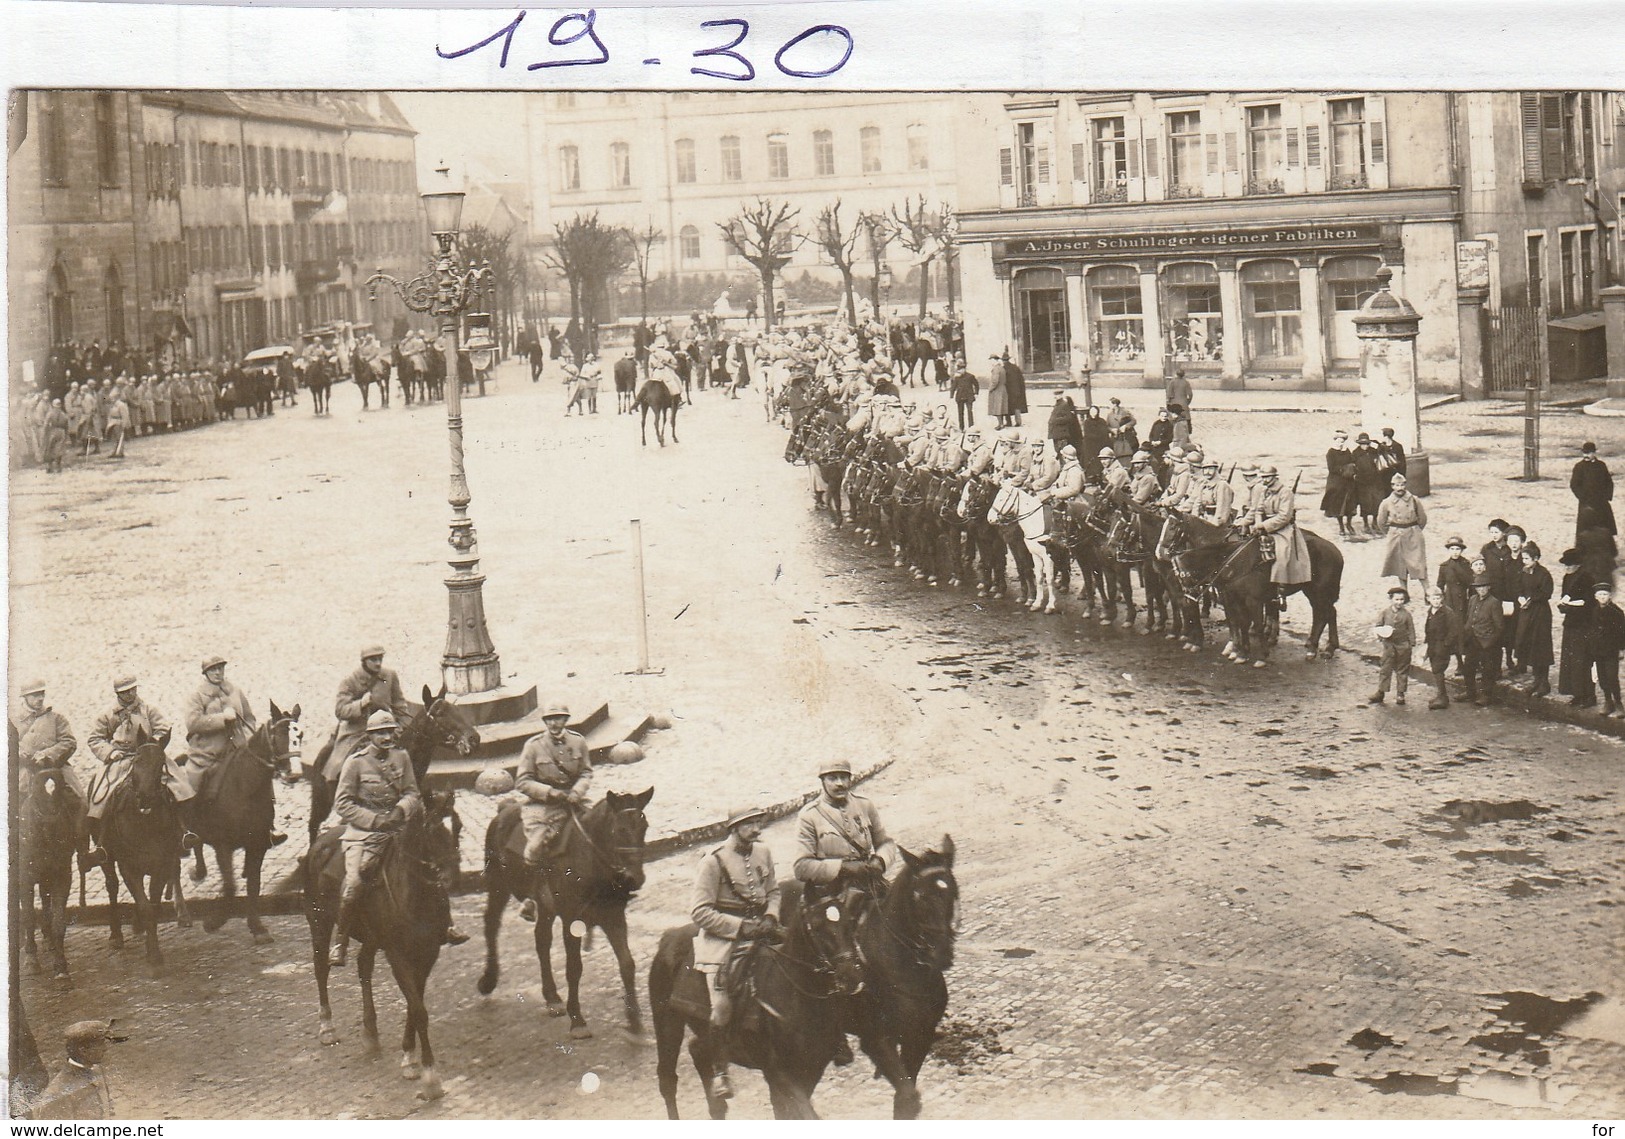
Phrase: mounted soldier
(45,743)
(1275,516)
(113,741)
(370,688)
(218,718)
(840,839)
(736,900)
(555,774)
(1143,488)
(377,794)
(1114,475)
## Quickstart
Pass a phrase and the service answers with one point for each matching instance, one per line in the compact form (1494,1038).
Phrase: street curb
(285,897)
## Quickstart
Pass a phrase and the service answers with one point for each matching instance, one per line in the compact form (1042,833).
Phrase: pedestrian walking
(1609,640)
(1339,500)
(1396,632)
(998,398)
(1534,632)
(1579,610)
(55,437)
(966,387)
(536,352)
(1403,518)
(1442,631)
(1483,621)
(1593,488)
(118,424)
(1177,396)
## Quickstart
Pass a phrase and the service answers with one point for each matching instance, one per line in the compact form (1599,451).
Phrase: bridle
(821,966)
(616,869)
(1193,585)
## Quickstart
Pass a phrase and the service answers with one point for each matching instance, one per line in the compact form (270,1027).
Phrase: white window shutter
(1007,166)
(1080,162)
(1311,145)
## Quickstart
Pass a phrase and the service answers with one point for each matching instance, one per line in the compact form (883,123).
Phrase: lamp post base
(495,705)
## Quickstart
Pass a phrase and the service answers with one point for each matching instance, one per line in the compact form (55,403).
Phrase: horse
(1237,568)
(1021,518)
(321,387)
(141,833)
(440,724)
(587,880)
(50,832)
(362,373)
(655,396)
(786,1022)
(907,944)
(405,914)
(234,809)
(625,385)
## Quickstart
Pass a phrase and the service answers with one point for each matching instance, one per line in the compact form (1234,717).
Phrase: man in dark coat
(1593,488)
(1015,388)
(1482,636)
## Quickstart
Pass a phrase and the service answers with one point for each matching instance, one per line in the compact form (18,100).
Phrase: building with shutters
(1234,236)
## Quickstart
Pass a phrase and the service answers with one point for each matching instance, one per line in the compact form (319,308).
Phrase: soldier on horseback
(377,794)
(1273,514)
(218,718)
(1114,475)
(1143,486)
(44,743)
(840,838)
(368,689)
(555,773)
(113,741)
(736,896)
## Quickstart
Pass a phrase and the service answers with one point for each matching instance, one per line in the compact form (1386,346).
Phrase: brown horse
(655,396)
(235,809)
(141,832)
(587,881)
(440,724)
(786,1023)
(405,914)
(50,831)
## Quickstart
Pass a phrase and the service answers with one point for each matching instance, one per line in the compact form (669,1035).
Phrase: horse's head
(923,903)
(145,784)
(284,740)
(618,828)
(1005,505)
(439,830)
(46,799)
(448,724)
(829,930)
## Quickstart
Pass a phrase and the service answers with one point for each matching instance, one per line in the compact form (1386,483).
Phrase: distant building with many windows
(205,223)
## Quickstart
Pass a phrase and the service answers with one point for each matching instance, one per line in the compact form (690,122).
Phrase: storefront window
(1193,329)
(1041,316)
(1114,306)
(1273,312)
(1350,282)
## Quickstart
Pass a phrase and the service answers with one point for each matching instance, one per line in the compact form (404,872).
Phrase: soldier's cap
(1603,587)
(973,432)
(1106,453)
(1194,458)
(1455,543)
(124,684)
(380,720)
(1139,457)
(372,651)
(744,815)
(1399,591)
(213,662)
(1176,452)
(555,708)
(834,767)
(33,688)
(1069,449)
(1267,471)
(1482,579)
(1248,469)
(84,1032)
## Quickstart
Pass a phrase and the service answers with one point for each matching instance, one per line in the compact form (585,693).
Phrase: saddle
(1266,548)
(691,992)
(515,846)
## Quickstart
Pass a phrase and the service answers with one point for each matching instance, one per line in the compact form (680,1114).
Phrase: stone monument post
(1613,314)
(1387,326)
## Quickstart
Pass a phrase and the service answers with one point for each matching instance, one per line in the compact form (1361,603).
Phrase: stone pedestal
(1470,335)
(1613,314)
(1387,326)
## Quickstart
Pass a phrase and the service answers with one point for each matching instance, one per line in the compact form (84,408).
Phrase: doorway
(1046,341)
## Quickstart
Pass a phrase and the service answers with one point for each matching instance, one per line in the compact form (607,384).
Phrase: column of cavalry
(1163,539)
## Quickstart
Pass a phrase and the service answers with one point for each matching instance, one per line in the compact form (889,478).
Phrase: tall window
(113,302)
(1116,311)
(1185,154)
(106,139)
(1031,163)
(59,305)
(686,173)
(1577,251)
(1348,143)
(778,156)
(620,164)
(1266,150)
(733,169)
(919,147)
(569,168)
(688,245)
(869,148)
(1111,160)
(53,139)
(1272,310)
(1557,135)
(823,153)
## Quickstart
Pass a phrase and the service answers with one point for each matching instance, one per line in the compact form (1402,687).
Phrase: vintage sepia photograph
(1145,645)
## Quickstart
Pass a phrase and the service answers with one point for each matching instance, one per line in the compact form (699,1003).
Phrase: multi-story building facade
(685,161)
(206,224)
(1234,236)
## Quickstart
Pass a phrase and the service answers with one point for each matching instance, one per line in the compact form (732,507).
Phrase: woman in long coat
(1533,645)
(1579,609)
(1339,500)
(998,393)
(1120,423)
(1095,436)
(1015,385)
(1063,425)
(1370,484)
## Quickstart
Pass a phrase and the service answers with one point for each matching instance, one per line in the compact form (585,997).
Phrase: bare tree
(879,230)
(764,235)
(589,255)
(920,231)
(840,246)
(643,243)
(478,244)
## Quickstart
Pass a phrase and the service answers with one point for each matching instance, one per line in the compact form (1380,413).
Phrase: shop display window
(1116,314)
(1193,321)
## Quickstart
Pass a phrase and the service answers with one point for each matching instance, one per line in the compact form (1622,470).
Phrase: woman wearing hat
(1370,484)
(998,394)
(1340,500)
(1579,611)
(1534,636)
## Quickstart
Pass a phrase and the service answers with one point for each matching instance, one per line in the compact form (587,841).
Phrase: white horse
(1014,506)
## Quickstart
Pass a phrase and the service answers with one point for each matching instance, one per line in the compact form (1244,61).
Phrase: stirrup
(190,841)
(721,1086)
(339,954)
(455,936)
(527,909)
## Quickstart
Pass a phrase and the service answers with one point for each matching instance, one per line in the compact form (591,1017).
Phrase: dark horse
(1207,555)
(405,914)
(593,871)
(440,724)
(655,396)
(50,831)
(234,810)
(141,832)
(786,1016)
(907,944)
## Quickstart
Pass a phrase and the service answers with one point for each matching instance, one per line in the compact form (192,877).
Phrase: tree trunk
(925,284)
(643,293)
(874,287)
(767,300)
(851,305)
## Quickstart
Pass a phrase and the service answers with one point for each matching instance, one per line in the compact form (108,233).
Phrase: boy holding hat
(1397,634)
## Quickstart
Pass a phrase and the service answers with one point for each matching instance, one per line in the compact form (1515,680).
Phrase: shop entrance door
(1045,340)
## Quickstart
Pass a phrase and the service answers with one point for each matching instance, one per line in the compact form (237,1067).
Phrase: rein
(597,850)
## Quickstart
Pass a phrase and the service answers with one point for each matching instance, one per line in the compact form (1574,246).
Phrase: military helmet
(1140,458)
(381,720)
(834,767)
(124,684)
(1106,453)
(555,708)
(1248,469)
(744,815)
(1194,458)
(214,661)
(1267,471)
(33,688)
(372,651)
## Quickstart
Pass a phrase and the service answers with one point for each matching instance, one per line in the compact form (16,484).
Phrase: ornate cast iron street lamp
(470,663)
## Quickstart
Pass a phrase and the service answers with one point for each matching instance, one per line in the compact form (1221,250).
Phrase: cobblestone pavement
(1190,890)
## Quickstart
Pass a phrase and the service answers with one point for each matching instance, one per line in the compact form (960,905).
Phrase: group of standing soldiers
(109,410)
